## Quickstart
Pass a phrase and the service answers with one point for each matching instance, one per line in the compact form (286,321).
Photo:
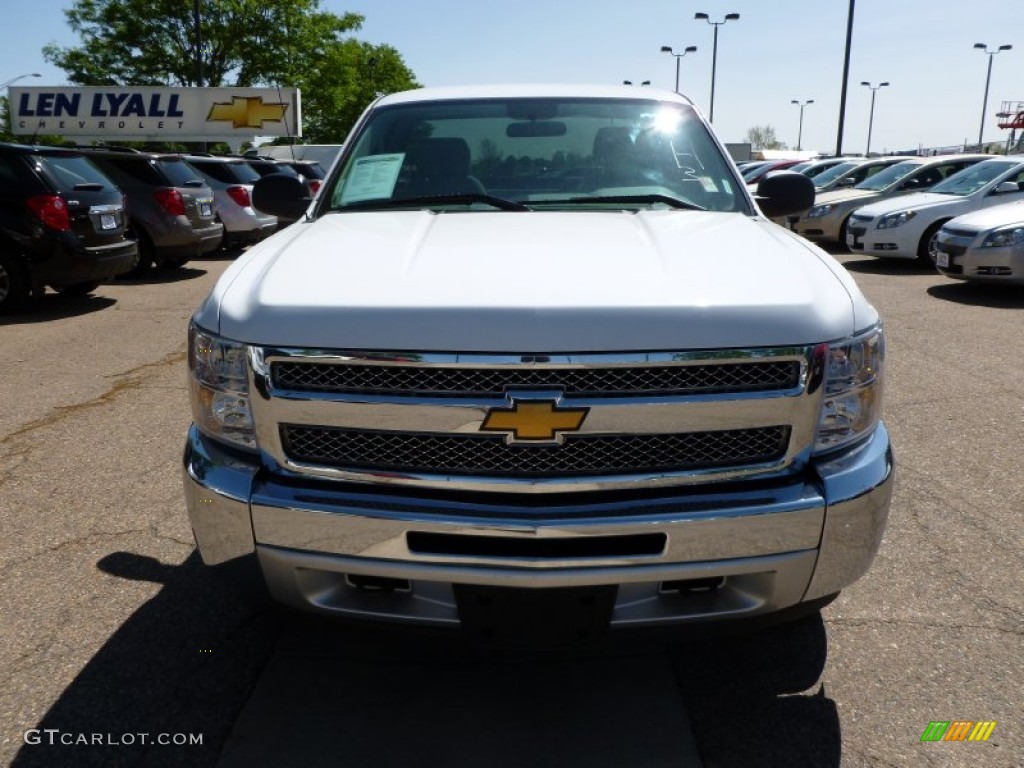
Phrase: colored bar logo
(958,730)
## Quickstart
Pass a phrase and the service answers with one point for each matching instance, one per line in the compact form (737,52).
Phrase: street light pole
(800,135)
(714,54)
(871,117)
(13,80)
(988,78)
(846,80)
(668,49)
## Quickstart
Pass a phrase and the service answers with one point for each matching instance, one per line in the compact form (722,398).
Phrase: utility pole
(846,77)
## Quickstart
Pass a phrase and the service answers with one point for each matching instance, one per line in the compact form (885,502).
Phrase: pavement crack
(124,381)
(55,548)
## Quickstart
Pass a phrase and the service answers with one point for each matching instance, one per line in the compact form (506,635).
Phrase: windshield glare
(833,173)
(888,177)
(970,180)
(544,152)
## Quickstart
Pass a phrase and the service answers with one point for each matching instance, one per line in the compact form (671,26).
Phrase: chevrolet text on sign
(156,113)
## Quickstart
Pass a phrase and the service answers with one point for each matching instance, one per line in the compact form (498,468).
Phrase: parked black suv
(170,205)
(62,224)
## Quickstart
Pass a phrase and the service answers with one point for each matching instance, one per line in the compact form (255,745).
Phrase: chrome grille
(404,452)
(493,382)
(951,248)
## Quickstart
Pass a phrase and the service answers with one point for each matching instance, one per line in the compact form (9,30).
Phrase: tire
(147,252)
(842,231)
(926,248)
(15,287)
(78,289)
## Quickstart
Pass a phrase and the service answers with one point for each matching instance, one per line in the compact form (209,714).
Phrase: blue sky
(775,53)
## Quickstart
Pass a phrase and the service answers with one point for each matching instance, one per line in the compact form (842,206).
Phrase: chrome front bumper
(764,546)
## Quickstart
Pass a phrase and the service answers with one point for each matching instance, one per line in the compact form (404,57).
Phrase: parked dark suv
(170,205)
(62,224)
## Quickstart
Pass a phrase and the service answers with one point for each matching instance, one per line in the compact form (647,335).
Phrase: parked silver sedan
(826,221)
(984,246)
(231,180)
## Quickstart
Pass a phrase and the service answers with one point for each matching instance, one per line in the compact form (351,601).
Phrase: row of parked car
(962,214)
(71,218)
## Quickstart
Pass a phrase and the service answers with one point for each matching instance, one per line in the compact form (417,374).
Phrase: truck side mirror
(781,193)
(286,197)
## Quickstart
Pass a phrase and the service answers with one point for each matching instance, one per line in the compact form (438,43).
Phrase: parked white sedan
(984,246)
(905,228)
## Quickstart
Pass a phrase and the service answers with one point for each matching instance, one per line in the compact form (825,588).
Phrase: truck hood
(586,281)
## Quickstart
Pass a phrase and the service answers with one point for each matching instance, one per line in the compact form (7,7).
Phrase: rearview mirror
(535,128)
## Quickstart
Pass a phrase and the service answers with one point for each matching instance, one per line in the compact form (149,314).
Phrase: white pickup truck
(536,351)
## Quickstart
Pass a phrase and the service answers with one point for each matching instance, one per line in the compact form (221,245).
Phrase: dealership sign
(187,114)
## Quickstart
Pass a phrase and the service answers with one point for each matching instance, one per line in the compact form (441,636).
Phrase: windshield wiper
(462,198)
(672,202)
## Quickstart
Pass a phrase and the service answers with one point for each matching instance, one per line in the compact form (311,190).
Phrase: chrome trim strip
(269,355)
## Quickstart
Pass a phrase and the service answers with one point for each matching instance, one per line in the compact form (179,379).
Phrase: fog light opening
(376,583)
(692,586)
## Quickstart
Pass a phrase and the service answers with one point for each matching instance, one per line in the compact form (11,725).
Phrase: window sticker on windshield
(708,183)
(372,178)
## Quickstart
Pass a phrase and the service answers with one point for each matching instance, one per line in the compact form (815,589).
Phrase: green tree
(763,137)
(245,43)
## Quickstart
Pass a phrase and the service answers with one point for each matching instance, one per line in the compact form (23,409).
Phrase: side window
(138,170)
(930,177)
(11,185)
(868,171)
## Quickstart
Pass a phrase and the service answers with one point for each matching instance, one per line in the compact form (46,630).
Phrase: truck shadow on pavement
(184,662)
(283,689)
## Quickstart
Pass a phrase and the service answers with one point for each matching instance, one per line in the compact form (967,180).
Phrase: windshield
(833,173)
(888,177)
(816,169)
(73,172)
(541,153)
(970,180)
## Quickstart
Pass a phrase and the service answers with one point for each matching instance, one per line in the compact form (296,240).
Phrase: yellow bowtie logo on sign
(247,112)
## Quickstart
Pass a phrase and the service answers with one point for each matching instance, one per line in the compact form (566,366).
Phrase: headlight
(219,388)
(818,211)
(852,403)
(891,220)
(1002,238)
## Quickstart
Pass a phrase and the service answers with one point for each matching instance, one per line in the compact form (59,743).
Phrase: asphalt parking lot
(109,625)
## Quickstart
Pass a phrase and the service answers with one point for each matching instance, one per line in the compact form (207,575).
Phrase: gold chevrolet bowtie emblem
(247,112)
(534,420)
